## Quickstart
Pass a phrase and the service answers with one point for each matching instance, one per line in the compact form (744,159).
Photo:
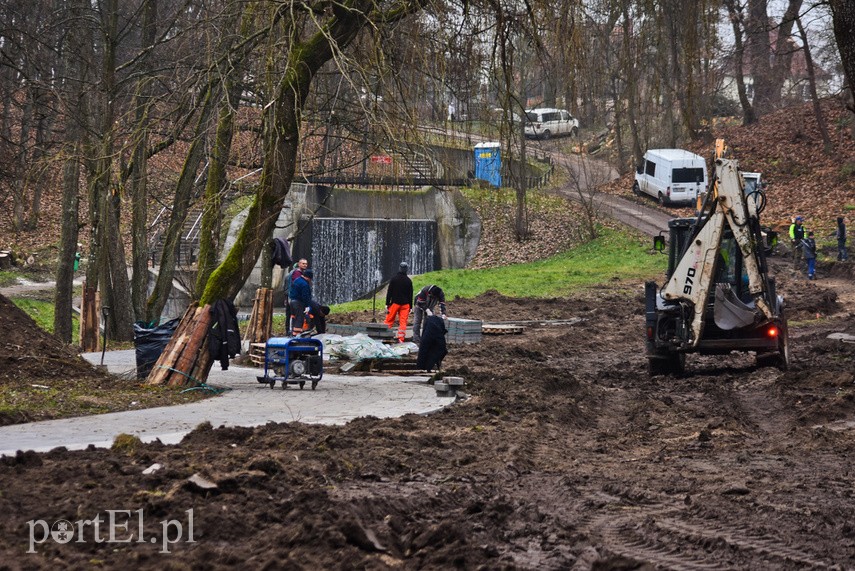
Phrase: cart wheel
(302,384)
(272,383)
(314,384)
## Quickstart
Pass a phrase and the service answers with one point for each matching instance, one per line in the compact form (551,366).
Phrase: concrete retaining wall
(407,214)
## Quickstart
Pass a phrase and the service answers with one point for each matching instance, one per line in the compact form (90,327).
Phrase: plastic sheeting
(360,346)
(149,344)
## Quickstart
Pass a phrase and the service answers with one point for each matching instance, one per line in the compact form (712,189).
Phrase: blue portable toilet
(488,163)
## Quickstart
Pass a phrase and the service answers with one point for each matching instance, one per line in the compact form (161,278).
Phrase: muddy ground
(565,455)
(43,379)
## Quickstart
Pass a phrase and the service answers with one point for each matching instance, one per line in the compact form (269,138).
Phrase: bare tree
(307,43)
(843,17)
(784,50)
(211,94)
(630,75)
(511,49)
(769,66)
(75,101)
(219,158)
(138,175)
(735,15)
(586,176)
(817,110)
(757,32)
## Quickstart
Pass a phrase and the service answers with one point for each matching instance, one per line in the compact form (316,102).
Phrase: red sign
(381,159)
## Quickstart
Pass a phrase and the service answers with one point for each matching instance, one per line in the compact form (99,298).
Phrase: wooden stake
(258,330)
(89,319)
(162,371)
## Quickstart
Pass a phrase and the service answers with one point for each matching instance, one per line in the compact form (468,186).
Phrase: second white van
(671,176)
(546,122)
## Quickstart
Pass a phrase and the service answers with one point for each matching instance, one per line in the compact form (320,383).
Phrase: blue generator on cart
(293,361)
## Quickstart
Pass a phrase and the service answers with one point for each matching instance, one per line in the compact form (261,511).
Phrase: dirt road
(586,174)
(564,456)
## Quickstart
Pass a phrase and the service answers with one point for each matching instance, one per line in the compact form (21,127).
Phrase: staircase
(416,165)
(188,248)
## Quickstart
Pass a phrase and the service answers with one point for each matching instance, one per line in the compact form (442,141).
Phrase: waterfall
(352,256)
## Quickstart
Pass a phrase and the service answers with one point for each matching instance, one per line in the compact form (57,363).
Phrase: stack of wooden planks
(261,319)
(186,359)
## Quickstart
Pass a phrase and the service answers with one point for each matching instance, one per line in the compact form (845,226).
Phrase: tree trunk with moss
(232,47)
(139,168)
(209,234)
(281,138)
(180,205)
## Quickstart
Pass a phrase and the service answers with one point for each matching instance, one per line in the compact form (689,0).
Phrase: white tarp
(360,346)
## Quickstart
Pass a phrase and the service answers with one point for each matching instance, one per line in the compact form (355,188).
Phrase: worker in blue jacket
(808,247)
(300,298)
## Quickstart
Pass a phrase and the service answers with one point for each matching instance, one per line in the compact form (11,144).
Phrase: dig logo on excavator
(687,288)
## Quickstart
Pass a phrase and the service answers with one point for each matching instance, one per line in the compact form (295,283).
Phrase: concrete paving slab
(337,399)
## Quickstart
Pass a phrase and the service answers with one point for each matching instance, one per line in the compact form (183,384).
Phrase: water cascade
(351,257)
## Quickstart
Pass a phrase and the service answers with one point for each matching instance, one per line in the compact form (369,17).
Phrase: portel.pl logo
(119,526)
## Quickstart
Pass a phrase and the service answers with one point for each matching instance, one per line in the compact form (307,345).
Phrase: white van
(753,181)
(546,122)
(671,176)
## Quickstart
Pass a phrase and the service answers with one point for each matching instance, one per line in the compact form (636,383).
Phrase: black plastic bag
(149,344)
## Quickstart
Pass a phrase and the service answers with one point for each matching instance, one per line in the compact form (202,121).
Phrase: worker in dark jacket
(797,234)
(840,234)
(433,348)
(317,317)
(300,296)
(429,301)
(399,295)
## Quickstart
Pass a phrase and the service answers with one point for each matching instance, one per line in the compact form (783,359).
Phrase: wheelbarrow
(293,361)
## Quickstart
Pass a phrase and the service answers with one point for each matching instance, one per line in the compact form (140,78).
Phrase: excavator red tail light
(772,331)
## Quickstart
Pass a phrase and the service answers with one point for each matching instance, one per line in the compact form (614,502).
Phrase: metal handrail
(157,218)
(196,224)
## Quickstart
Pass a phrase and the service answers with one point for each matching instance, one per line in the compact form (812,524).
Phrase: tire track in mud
(739,538)
(664,532)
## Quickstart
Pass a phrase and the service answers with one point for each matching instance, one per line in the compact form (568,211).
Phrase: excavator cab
(718,296)
(730,266)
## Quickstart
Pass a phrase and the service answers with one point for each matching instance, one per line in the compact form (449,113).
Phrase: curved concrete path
(337,400)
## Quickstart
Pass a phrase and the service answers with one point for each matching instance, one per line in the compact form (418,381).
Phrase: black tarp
(149,344)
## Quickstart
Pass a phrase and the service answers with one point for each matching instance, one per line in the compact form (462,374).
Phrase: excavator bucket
(729,312)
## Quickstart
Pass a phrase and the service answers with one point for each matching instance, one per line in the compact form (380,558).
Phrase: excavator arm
(694,274)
